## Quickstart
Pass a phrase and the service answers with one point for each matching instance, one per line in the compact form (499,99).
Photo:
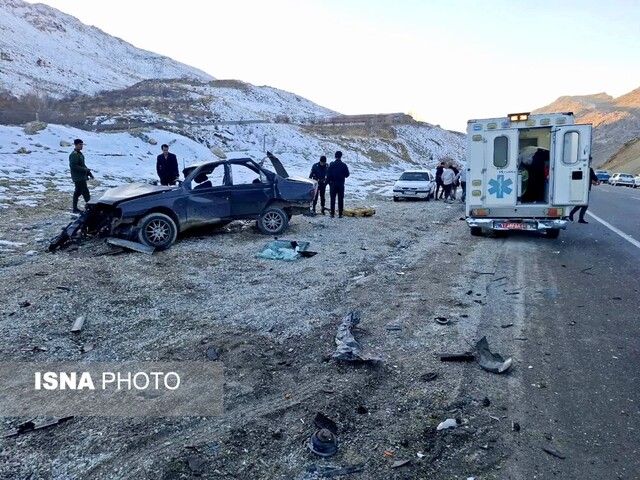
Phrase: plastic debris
(285,250)
(400,463)
(456,357)
(77,325)
(348,347)
(29,426)
(448,423)
(555,453)
(323,443)
(335,471)
(129,245)
(441,320)
(491,362)
(323,422)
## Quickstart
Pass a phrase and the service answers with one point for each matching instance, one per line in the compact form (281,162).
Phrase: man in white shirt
(448,181)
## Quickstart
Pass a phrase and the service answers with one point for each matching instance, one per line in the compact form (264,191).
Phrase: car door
(501,174)
(208,201)
(250,192)
(570,168)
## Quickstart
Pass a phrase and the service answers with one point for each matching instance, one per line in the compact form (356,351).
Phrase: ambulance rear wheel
(553,233)
(476,231)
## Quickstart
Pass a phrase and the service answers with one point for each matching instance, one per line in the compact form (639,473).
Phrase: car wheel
(396,199)
(273,221)
(553,233)
(157,230)
(476,231)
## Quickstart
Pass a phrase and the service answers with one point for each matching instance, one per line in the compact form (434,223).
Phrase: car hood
(129,191)
(412,184)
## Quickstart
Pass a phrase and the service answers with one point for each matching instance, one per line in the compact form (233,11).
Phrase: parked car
(414,184)
(636,180)
(603,175)
(211,193)
(622,179)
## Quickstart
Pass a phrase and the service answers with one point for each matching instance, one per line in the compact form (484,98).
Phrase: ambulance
(526,172)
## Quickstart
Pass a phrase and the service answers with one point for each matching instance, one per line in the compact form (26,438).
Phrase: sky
(442,61)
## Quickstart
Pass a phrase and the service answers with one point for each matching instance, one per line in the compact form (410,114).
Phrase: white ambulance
(526,172)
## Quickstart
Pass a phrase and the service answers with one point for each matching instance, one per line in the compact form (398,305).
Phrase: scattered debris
(77,325)
(554,452)
(62,287)
(484,273)
(388,453)
(285,250)
(420,455)
(364,246)
(393,328)
(323,443)
(429,376)
(400,463)
(323,422)
(507,325)
(492,362)
(87,347)
(348,347)
(449,423)
(24,304)
(362,410)
(29,426)
(129,245)
(359,212)
(515,426)
(486,402)
(441,320)
(195,464)
(335,471)
(212,353)
(457,357)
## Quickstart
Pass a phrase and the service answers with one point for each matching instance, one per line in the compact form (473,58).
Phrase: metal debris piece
(128,244)
(322,421)
(87,347)
(491,362)
(77,325)
(457,357)
(24,304)
(428,377)
(554,452)
(29,426)
(400,463)
(323,443)
(195,464)
(335,471)
(393,328)
(515,426)
(348,347)
(441,320)
(507,325)
(62,287)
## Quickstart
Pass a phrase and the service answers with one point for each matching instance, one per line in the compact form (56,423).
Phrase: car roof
(416,170)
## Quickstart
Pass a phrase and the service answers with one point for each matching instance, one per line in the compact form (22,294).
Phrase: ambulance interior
(534,145)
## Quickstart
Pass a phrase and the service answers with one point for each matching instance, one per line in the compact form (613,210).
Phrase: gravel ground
(273,324)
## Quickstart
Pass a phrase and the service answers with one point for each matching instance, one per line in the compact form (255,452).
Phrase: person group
(448,178)
(333,175)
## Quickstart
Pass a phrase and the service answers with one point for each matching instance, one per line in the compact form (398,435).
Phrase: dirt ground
(273,324)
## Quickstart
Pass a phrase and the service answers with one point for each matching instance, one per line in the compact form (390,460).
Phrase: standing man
(439,185)
(167,167)
(448,182)
(593,180)
(319,174)
(336,175)
(79,174)
(462,178)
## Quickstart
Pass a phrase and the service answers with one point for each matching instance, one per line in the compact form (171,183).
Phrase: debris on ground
(400,463)
(491,362)
(448,423)
(77,325)
(30,426)
(212,353)
(359,212)
(429,376)
(285,250)
(129,245)
(348,347)
(335,471)
(323,422)
(441,320)
(323,443)
(555,453)
(457,357)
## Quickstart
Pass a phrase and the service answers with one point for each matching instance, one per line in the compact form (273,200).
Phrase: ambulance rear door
(501,173)
(570,166)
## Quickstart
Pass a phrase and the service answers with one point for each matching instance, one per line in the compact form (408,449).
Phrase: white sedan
(414,184)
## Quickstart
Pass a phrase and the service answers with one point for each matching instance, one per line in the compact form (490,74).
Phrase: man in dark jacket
(167,167)
(336,175)
(319,174)
(439,184)
(79,174)
(593,180)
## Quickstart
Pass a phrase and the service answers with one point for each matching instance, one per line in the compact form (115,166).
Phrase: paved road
(575,306)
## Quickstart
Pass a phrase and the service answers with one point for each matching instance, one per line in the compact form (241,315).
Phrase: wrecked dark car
(212,193)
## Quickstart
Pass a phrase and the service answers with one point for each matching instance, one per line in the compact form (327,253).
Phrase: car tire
(476,231)
(553,233)
(396,199)
(157,230)
(273,221)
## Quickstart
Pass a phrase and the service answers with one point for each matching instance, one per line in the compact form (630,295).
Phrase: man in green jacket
(79,174)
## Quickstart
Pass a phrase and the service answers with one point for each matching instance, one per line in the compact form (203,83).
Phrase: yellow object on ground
(359,212)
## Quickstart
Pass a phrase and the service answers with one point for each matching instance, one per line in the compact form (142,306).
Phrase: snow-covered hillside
(45,50)
(116,158)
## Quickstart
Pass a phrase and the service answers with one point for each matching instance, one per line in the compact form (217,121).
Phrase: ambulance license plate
(515,226)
